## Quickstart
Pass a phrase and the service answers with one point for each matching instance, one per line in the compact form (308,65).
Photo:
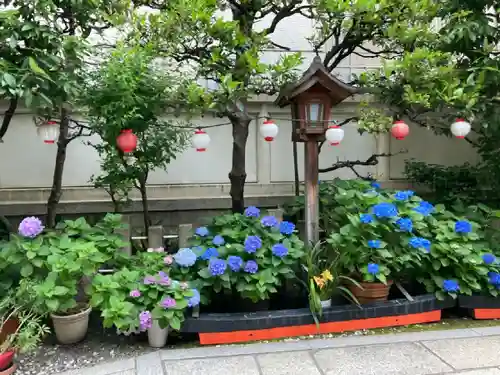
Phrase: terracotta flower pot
(371,292)
(10,370)
(9,328)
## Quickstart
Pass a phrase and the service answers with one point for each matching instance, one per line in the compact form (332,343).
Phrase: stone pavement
(464,351)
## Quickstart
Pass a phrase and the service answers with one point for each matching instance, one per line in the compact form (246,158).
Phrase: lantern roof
(316,75)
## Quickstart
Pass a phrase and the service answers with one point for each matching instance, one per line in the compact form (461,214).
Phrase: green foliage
(144,98)
(122,296)
(235,229)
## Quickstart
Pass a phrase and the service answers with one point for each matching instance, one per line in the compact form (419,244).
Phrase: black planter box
(481,307)
(235,327)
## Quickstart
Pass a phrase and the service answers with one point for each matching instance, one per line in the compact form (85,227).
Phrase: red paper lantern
(49,132)
(269,130)
(127,141)
(460,128)
(400,130)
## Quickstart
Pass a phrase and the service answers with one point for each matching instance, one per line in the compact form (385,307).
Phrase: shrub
(247,253)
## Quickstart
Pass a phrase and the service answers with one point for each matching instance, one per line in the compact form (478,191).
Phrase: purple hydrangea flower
(451,286)
(217,266)
(168,260)
(286,227)
(135,293)
(235,263)
(269,221)
(251,266)
(489,258)
(374,244)
(185,257)
(424,208)
(164,279)
(279,250)
(385,210)
(404,224)
(201,231)
(148,280)
(211,252)
(168,303)
(252,244)
(195,299)
(218,240)
(366,218)
(30,227)
(373,268)
(252,211)
(145,320)
(463,226)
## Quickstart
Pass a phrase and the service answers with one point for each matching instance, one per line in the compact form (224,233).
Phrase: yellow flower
(319,282)
(327,275)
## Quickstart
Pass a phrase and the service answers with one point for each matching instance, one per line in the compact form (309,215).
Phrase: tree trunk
(238,175)
(56,190)
(296,180)
(7,117)
(145,208)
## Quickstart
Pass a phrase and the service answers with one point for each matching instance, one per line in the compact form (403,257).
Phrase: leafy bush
(131,299)
(396,234)
(248,254)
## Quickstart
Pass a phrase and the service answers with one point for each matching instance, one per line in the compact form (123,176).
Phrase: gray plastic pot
(71,329)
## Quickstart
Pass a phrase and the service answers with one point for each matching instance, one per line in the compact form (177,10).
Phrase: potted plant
(28,333)
(144,299)
(248,255)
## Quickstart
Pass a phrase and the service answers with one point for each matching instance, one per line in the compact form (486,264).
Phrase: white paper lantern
(200,140)
(48,131)
(334,134)
(269,130)
(460,128)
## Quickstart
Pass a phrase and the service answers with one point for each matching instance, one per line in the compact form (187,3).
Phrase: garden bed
(481,307)
(274,324)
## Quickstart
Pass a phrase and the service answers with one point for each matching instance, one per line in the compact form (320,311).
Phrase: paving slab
(400,359)
(288,364)
(105,368)
(468,353)
(127,372)
(149,364)
(239,365)
(486,371)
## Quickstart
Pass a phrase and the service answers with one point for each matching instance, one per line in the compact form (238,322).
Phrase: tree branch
(371,161)
(7,118)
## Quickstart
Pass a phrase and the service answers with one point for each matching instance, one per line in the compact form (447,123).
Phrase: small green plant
(131,299)
(247,254)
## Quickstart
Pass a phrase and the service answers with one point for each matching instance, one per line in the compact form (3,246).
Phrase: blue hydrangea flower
(374,244)
(385,209)
(251,266)
(269,221)
(489,258)
(451,286)
(198,250)
(217,266)
(373,268)
(366,218)
(185,257)
(235,263)
(252,244)
(279,250)
(494,278)
(424,208)
(463,226)
(404,224)
(201,231)
(403,195)
(194,300)
(211,252)
(286,227)
(375,185)
(419,242)
(252,211)
(218,240)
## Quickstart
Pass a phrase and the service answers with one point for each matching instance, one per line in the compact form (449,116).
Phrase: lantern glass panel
(314,115)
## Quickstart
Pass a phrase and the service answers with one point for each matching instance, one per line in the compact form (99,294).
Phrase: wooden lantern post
(311,100)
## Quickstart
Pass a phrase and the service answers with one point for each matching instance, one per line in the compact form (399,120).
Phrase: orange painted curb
(486,313)
(211,338)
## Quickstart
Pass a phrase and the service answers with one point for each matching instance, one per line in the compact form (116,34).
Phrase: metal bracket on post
(403,290)
(155,239)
